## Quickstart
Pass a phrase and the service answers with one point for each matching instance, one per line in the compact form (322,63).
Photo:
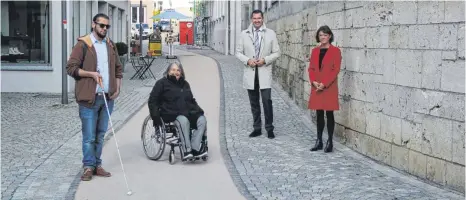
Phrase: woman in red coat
(323,71)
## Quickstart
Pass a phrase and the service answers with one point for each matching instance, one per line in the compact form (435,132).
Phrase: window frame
(29,66)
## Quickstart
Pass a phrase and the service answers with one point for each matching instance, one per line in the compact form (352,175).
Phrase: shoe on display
(11,51)
(17,51)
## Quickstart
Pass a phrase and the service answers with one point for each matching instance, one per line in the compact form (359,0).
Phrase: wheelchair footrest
(204,158)
(172,141)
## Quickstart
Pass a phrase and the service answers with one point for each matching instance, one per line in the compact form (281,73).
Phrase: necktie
(257,44)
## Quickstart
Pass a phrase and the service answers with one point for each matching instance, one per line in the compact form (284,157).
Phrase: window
(25,32)
(110,15)
(120,26)
(134,14)
(144,14)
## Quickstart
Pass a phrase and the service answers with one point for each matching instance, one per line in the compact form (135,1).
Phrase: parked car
(146,30)
(164,26)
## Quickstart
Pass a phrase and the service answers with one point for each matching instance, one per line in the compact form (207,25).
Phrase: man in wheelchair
(171,100)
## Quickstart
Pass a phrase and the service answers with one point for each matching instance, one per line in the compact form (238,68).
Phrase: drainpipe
(141,18)
(64,80)
(194,24)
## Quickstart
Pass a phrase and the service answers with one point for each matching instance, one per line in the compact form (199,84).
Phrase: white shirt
(102,62)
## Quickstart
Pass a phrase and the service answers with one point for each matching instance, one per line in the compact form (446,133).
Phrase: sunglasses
(103,25)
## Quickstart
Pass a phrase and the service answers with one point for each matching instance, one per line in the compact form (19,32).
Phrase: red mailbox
(186,33)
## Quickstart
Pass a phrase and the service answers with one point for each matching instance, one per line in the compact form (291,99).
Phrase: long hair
(179,66)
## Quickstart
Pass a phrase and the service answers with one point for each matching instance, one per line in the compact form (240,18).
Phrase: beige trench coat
(269,50)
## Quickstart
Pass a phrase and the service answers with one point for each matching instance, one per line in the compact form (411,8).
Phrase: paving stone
(41,138)
(316,175)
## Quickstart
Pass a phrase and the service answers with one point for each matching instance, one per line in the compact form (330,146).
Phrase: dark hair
(94,19)
(170,66)
(325,29)
(257,11)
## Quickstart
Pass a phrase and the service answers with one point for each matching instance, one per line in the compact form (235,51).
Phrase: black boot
(329,145)
(319,145)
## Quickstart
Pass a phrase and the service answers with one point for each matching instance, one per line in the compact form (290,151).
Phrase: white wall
(235,21)
(219,27)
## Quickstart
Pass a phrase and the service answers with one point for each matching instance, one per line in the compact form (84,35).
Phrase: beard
(101,35)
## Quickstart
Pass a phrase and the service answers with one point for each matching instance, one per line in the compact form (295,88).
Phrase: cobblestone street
(284,168)
(41,156)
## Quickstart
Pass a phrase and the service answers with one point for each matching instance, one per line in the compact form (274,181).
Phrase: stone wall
(402,80)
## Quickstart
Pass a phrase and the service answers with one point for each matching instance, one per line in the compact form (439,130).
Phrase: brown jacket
(85,87)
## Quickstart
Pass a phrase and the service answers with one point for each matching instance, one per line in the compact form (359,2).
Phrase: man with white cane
(95,66)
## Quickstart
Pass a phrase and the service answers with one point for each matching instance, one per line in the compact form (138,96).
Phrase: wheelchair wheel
(171,158)
(153,139)
(206,149)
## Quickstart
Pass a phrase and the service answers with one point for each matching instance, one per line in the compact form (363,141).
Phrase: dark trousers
(266,95)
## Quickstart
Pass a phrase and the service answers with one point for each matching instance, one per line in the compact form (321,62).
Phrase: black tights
(321,124)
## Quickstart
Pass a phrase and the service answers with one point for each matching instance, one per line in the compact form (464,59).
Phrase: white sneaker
(11,51)
(201,154)
(187,156)
(17,51)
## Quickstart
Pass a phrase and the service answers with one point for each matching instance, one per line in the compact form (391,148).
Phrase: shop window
(25,32)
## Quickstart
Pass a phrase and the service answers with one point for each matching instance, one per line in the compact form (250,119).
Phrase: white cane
(129,193)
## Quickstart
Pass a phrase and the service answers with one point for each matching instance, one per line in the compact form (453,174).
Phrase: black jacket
(170,98)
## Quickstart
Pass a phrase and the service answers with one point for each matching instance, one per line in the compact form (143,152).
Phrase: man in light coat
(258,49)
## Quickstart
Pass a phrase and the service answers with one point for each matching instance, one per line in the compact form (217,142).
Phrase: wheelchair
(154,140)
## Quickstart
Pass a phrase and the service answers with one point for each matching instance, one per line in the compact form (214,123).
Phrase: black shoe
(199,154)
(270,135)
(328,146)
(255,133)
(318,146)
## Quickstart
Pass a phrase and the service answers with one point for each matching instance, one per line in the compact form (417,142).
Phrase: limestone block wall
(402,82)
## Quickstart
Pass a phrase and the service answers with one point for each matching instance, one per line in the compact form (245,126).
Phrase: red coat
(326,99)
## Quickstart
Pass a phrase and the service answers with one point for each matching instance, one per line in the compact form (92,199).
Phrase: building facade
(148,7)
(402,78)
(32,39)
(220,22)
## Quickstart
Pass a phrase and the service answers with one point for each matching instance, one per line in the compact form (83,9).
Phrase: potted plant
(122,49)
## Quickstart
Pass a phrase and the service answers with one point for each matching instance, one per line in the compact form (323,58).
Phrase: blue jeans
(94,126)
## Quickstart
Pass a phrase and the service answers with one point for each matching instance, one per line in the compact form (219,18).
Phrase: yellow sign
(155,12)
